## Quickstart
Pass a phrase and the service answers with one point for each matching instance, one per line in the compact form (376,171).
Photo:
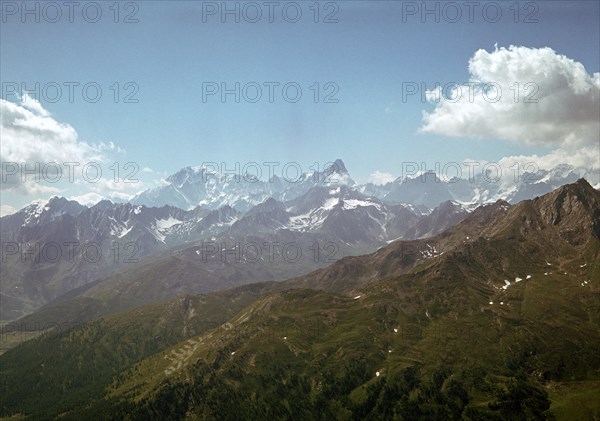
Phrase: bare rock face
(574,210)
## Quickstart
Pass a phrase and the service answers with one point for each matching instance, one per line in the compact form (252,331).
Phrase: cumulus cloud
(31,138)
(584,158)
(381,178)
(30,134)
(34,106)
(41,157)
(526,95)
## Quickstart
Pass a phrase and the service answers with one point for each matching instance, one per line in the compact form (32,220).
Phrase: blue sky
(369,53)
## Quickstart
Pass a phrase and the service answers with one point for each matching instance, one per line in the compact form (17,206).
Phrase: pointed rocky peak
(338,166)
(447,206)
(336,174)
(103,204)
(571,212)
(581,188)
(574,202)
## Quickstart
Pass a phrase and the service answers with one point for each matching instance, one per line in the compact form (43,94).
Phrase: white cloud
(88,199)
(110,185)
(6,210)
(33,105)
(30,134)
(118,191)
(584,158)
(31,138)
(565,114)
(380,178)
(93,197)
(110,147)
(586,161)
(35,149)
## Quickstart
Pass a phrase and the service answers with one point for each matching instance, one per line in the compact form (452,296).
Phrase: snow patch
(162,226)
(429,251)
(330,203)
(165,224)
(118,229)
(350,204)
(124,232)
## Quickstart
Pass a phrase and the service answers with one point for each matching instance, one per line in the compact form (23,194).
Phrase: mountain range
(496,317)
(55,248)
(206,187)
